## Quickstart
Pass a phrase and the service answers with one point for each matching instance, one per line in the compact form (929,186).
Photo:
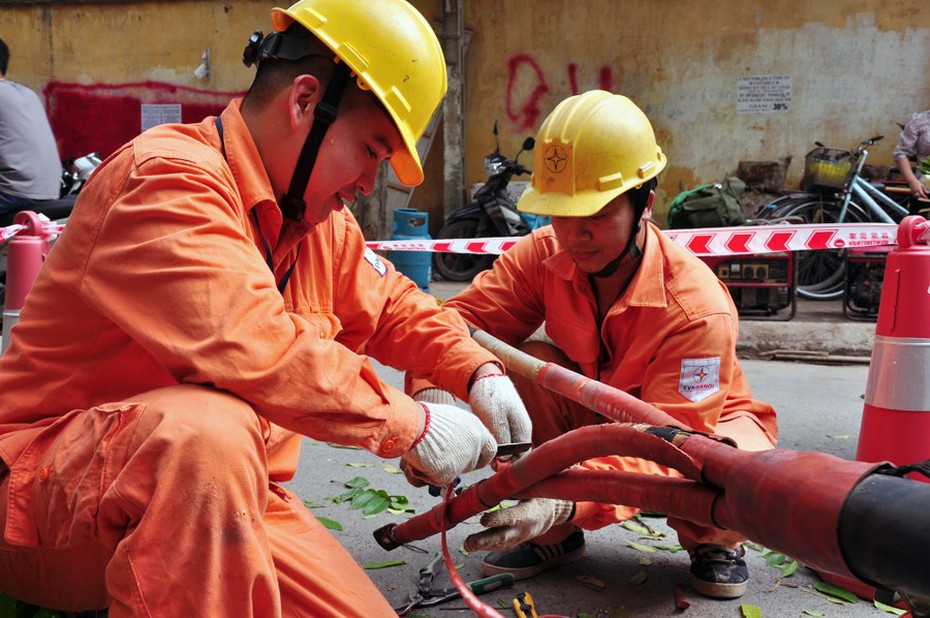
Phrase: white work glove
(495,401)
(435,395)
(453,442)
(522,522)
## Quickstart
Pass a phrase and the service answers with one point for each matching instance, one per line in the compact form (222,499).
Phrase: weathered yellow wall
(131,41)
(857,67)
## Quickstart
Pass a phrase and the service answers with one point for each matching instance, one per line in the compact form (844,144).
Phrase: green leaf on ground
(812,612)
(635,527)
(378,503)
(330,524)
(897,611)
(671,547)
(591,582)
(774,558)
(750,611)
(584,615)
(383,565)
(789,569)
(836,592)
(640,578)
(360,465)
(362,498)
(371,501)
(348,496)
(391,469)
(754,546)
(346,446)
(641,547)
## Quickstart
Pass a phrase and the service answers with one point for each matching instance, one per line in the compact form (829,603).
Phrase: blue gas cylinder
(411,224)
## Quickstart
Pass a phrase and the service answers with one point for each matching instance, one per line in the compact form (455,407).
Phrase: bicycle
(835,192)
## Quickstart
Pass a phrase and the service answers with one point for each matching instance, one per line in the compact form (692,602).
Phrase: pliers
(427,596)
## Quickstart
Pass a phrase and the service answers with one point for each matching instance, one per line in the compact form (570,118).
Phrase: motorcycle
(492,212)
(75,172)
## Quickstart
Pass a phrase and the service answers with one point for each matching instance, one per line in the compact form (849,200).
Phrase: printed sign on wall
(763,94)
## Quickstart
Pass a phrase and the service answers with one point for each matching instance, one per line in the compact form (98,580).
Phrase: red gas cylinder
(896,417)
(25,254)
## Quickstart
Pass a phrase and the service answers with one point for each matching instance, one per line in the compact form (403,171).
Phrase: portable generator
(763,285)
(865,269)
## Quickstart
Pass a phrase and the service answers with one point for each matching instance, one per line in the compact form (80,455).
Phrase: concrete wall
(855,68)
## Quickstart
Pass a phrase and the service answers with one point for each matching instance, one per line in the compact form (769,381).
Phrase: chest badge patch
(377,263)
(700,378)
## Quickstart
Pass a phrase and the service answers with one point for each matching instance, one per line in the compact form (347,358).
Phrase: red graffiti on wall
(102,117)
(605,78)
(526,88)
(526,115)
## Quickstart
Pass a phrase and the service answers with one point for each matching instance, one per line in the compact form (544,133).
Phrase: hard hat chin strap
(324,114)
(631,247)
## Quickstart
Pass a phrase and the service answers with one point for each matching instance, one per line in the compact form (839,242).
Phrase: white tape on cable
(738,240)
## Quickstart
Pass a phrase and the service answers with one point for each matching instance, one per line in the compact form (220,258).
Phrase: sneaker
(529,559)
(719,572)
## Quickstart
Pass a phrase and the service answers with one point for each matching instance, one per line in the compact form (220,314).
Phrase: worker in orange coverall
(211,302)
(621,304)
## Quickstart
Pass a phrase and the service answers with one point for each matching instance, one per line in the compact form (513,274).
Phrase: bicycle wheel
(460,266)
(821,273)
(769,211)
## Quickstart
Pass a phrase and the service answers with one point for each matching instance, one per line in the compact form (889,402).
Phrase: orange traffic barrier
(896,416)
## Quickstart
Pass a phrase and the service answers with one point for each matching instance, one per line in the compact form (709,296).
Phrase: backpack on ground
(716,205)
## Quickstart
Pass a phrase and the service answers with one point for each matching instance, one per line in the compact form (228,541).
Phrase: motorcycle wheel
(460,266)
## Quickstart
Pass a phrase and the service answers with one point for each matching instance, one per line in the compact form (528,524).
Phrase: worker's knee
(197,422)
(545,352)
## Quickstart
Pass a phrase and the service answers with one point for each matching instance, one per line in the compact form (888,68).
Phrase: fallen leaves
(750,611)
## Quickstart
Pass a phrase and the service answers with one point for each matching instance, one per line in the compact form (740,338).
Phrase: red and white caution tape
(703,241)
(488,246)
(49,229)
(775,238)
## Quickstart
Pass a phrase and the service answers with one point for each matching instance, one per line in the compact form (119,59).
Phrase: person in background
(210,303)
(30,167)
(914,146)
(621,304)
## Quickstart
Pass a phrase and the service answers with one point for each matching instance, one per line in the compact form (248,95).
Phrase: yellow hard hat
(394,53)
(590,149)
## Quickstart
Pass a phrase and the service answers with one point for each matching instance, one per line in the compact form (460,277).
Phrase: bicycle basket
(827,168)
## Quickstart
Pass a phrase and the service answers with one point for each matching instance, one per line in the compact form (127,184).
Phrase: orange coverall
(669,339)
(158,383)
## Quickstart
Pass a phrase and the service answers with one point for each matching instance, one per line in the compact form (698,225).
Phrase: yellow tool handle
(523,604)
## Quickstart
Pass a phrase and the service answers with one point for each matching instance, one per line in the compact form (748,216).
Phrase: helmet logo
(556,158)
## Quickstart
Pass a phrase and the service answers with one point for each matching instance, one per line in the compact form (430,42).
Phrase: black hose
(884,534)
